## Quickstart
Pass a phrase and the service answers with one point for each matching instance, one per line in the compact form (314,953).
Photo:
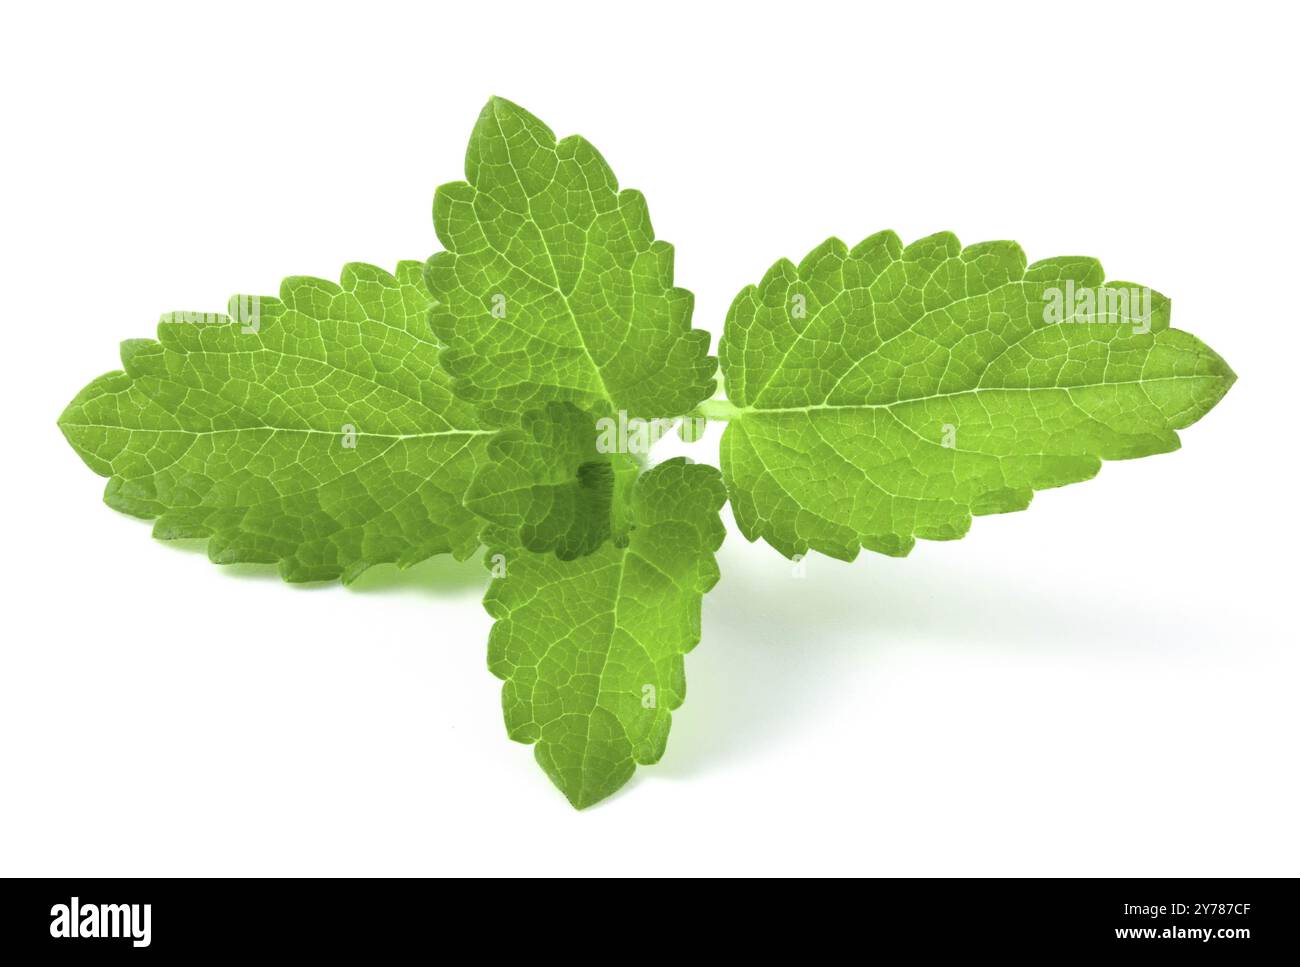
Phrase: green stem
(718,409)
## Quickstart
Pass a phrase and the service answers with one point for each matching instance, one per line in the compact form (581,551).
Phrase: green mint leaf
(553,287)
(314,430)
(591,650)
(550,485)
(888,393)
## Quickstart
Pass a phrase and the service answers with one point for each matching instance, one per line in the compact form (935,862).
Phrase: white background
(1103,685)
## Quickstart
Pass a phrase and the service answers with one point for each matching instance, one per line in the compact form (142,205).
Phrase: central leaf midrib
(814,407)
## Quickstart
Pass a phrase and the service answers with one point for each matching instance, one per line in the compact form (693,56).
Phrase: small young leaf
(889,393)
(553,287)
(314,430)
(591,649)
(549,485)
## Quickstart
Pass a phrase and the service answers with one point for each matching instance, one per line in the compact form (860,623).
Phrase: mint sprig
(504,395)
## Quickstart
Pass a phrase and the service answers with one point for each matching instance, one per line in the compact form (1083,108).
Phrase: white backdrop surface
(1102,685)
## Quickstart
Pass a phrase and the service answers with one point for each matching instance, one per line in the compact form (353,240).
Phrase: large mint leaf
(553,287)
(889,393)
(314,430)
(591,650)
